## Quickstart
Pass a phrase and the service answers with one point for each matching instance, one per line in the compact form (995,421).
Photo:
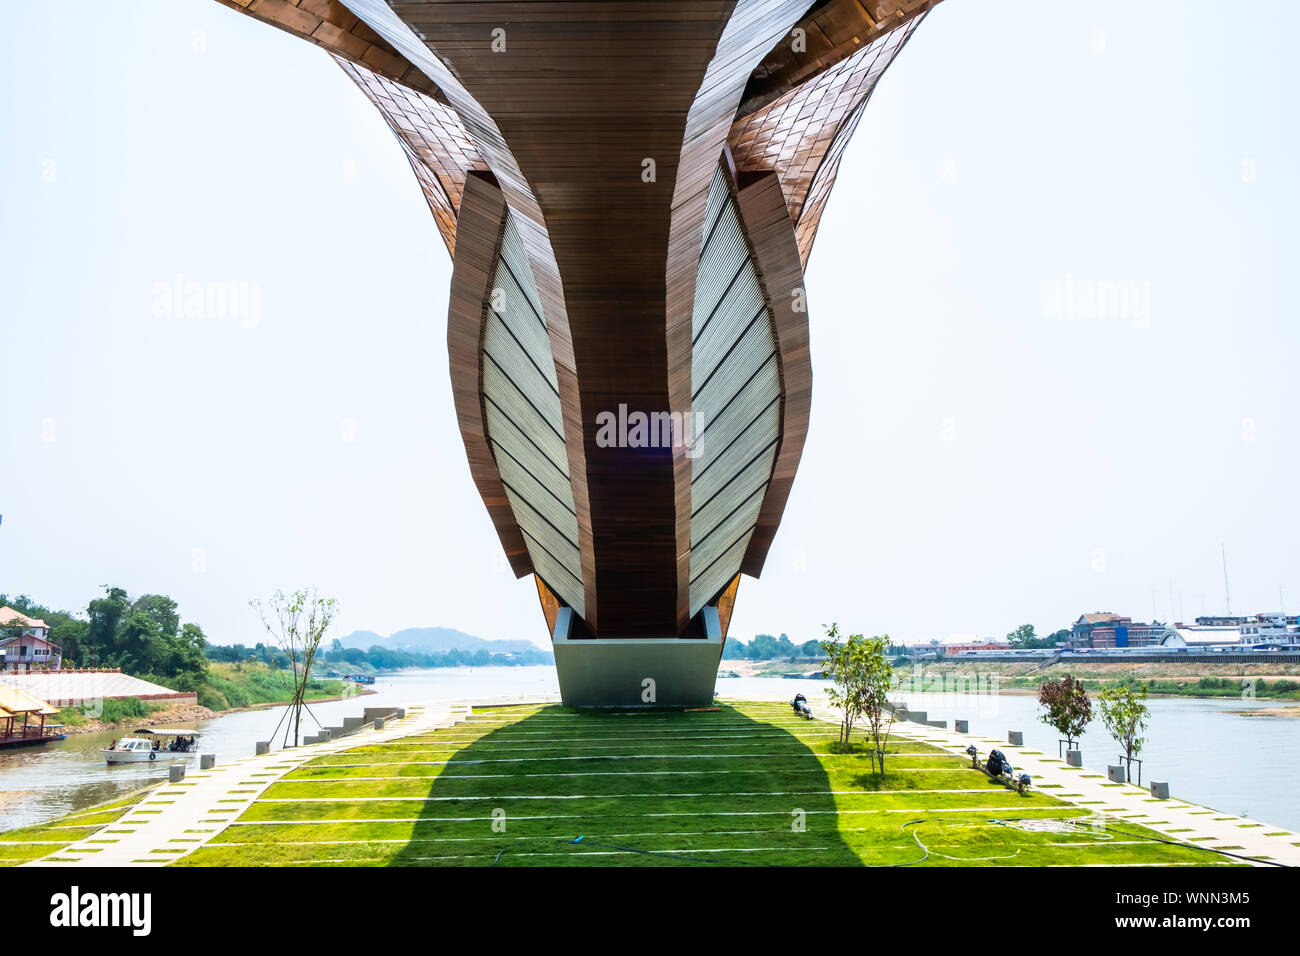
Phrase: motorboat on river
(153,743)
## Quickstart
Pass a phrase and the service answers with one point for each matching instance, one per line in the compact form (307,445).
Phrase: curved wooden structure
(629,190)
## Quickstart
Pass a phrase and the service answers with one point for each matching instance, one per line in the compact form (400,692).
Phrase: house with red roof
(25,644)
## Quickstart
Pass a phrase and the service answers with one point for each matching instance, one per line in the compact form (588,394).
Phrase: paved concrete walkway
(1120,803)
(176,819)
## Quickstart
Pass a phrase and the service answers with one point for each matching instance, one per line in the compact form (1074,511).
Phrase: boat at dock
(17,710)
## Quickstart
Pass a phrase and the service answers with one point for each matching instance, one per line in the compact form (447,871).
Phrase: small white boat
(153,744)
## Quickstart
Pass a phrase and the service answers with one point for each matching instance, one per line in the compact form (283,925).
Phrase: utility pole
(1227,599)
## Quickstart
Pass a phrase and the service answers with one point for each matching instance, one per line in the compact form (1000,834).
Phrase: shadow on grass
(659,788)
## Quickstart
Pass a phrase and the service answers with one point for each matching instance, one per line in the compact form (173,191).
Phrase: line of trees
(346,659)
(765,647)
(144,636)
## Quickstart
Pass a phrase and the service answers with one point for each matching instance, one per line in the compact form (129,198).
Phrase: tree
(1023,636)
(298,623)
(846,666)
(1069,708)
(733,650)
(1124,713)
(105,614)
(876,709)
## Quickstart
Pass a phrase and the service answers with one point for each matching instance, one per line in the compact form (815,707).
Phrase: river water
(1209,755)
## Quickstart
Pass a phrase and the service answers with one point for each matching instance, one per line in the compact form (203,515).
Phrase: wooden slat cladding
(583,93)
(833,31)
(771,234)
(439,150)
(482,221)
(751,30)
(332,26)
(736,400)
(726,605)
(796,135)
(525,425)
(550,603)
(491,144)
(547,113)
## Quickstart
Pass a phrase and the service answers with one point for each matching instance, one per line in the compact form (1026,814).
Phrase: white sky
(981,453)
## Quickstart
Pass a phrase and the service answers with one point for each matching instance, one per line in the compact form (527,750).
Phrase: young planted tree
(298,622)
(1124,712)
(876,710)
(846,667)
(1068,707)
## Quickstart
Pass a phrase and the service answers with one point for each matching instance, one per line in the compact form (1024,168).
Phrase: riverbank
(1263,681)
(1293,712)
(234,688)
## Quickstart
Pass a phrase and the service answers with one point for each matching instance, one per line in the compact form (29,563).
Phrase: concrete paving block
(207,761)
(1160,789)
(1115,772)
(263,747)
(176,773)
(1074,758)
(961,726)
(1016,738)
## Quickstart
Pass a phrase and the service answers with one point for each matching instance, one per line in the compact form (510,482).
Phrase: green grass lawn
(30,843)
(746,785)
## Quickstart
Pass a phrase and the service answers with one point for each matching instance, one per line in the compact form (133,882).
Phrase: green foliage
(765,647)
(143,637)
(65,630)
(255,684)
(1068,707)
(114,710)
(1124,713)
(1026,638)
(863,677)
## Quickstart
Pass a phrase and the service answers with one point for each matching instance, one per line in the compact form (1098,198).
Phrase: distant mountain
(434,640)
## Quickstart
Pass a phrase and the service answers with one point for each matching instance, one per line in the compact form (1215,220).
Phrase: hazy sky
(1054,343)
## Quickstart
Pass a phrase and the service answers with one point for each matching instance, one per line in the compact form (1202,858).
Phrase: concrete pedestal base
(1115,773)
(207,761)
(1160,789)
(176,773)
(263,747)
(1074,758)
(961,726)
(1016,738)
(637,672)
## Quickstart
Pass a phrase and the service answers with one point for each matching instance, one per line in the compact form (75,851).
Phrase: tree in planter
(298,622)
(846,667)
(876,710)
(1069,709)
(1124,712)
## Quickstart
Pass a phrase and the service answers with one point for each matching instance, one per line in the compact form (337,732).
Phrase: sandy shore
(1293,711)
